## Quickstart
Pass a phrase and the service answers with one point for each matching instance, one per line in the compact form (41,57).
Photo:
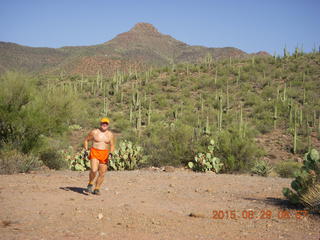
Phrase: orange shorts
(101,155)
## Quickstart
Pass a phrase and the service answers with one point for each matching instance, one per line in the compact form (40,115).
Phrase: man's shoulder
(93,131)
(110,132)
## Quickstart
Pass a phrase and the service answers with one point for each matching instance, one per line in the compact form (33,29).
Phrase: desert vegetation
(172,112)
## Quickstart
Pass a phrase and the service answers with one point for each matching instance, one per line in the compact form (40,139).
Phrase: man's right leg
(94,164)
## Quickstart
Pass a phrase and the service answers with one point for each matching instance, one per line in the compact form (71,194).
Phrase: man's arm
(88,138)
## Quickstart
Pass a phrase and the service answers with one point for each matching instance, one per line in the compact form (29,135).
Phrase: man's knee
(102,173)
(94,171)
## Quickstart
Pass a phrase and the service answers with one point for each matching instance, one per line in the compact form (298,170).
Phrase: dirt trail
(148,204)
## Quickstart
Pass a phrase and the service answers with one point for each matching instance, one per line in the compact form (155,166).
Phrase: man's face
(104,126)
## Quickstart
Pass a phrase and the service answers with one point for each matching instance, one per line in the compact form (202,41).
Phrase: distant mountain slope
(142,46)
(29,59)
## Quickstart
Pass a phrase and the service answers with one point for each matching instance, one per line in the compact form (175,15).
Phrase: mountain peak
(144,28)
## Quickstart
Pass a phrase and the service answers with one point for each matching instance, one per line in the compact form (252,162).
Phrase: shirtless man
(102,148)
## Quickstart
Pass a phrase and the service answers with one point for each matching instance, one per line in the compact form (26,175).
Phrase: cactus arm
(112,143)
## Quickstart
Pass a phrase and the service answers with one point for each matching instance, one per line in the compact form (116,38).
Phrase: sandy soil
(149,204)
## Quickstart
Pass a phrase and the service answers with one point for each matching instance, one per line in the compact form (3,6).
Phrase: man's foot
(96,192)
(89,188)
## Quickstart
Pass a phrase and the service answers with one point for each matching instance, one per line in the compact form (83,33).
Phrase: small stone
(100,216)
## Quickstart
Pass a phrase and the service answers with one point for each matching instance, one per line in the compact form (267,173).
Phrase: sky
(250,25)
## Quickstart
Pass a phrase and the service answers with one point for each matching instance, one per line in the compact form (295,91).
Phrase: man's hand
(86,154)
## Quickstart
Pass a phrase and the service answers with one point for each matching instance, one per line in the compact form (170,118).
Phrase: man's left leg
(102,171)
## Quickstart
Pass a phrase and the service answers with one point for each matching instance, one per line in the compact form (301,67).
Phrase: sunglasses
(104,123)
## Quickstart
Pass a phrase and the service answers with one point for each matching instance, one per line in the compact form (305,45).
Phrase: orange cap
(104,120)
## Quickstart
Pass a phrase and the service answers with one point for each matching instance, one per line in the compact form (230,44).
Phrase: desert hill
(139,48)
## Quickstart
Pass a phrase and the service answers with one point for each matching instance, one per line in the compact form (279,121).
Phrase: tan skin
(102,138)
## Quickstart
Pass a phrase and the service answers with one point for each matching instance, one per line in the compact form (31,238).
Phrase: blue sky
(246,24)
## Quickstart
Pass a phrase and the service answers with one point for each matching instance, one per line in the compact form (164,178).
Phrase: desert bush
(169,144)
(237,151)
(287,169)
(262,168)
(54,159)
(13,161)
(27,111)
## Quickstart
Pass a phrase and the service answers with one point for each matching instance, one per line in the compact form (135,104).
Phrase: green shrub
(237,151)
(287,169)
(262,168)
(28,111)
(169,144)
(54,158)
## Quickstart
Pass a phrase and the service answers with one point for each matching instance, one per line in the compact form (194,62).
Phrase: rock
(196,215)
(100,216)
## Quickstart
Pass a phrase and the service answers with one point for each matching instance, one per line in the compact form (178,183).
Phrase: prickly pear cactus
(206,161)
(78,161)
(127,157)
(305,186)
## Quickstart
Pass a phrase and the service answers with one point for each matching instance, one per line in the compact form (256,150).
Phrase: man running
(100,152)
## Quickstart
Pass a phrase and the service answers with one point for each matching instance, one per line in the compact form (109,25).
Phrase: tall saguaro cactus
(284,98)
(295,132)
(149,112)
(216,76)
(241,127)
(275,116)
(239,75)
(220,113)
(138,125)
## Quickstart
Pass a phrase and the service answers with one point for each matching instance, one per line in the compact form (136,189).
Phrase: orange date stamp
(260,214)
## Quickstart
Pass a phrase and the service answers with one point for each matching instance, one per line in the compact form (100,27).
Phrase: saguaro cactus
(284,98)
(295,132)
(241,121)
(239,75)
(216,77)
(220,114)
(275,116)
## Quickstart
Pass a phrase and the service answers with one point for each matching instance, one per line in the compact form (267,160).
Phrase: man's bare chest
(101,137)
